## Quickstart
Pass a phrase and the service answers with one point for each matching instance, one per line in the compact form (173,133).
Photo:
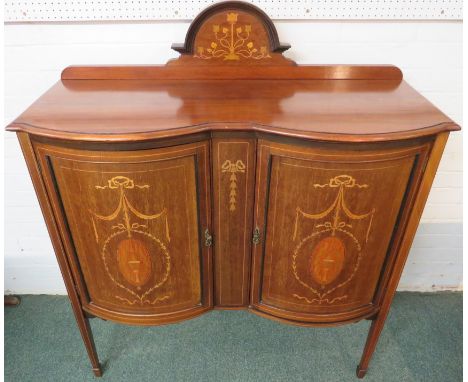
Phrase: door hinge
(256,236)
(208,238)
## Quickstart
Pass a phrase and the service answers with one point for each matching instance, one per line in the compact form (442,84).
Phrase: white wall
(429,53)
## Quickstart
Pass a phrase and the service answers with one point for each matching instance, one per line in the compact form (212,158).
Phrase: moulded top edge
(232,127)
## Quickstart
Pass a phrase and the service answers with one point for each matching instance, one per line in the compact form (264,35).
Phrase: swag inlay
(328,257)
(233,168)
(129,252)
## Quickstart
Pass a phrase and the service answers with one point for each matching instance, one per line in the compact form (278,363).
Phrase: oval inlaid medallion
(134,261)
(327,260)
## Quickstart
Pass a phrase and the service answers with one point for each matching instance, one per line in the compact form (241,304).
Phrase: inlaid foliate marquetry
(223,35)
(233,41)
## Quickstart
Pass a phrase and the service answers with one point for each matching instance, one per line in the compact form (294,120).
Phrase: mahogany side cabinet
(232,178)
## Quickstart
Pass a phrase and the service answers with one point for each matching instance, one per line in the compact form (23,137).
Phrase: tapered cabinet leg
(47,211)
(407,239)
(360,372)
(87,335)
(371,343)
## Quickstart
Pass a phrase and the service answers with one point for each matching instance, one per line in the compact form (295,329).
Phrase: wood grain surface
(340,110)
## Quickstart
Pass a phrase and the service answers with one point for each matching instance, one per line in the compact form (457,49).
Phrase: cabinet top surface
(227,79)
(327,109)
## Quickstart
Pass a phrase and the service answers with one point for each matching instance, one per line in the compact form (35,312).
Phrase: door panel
(233,189)
(137,221)
(328,221)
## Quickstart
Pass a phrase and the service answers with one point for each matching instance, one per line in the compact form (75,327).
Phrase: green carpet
(422,341)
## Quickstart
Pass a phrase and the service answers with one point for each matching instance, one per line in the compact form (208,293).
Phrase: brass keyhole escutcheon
(208,238)
(256,236)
